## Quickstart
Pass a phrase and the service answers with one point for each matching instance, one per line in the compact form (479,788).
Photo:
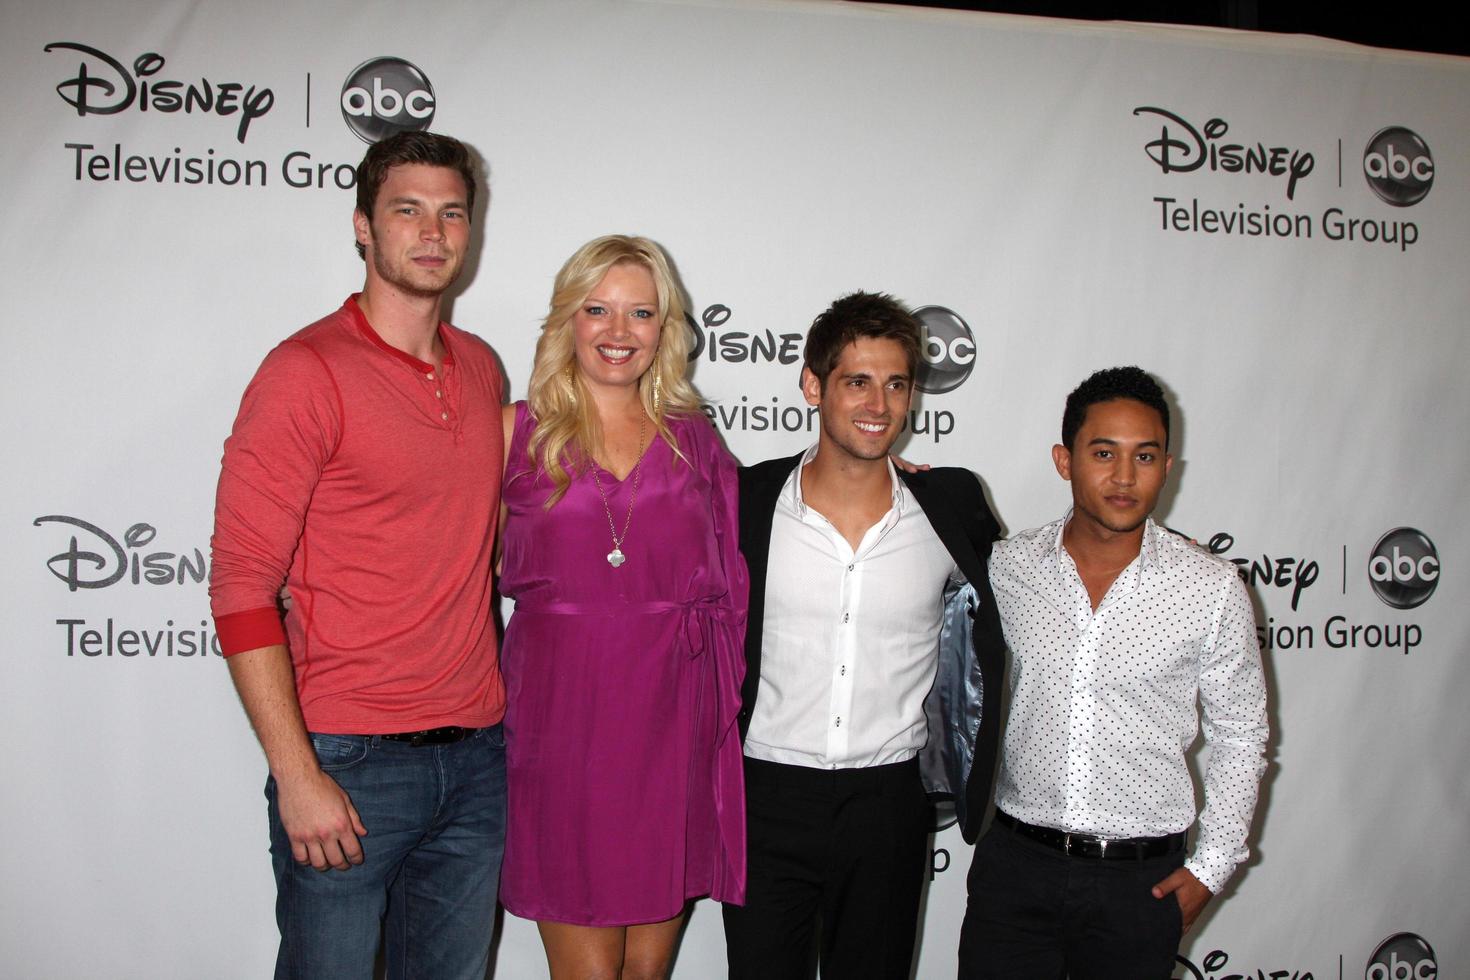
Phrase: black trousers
(843,848)
(1037,914)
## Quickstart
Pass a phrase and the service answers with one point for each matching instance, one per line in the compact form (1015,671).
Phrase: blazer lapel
(945,520)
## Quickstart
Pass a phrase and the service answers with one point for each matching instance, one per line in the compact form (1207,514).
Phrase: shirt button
(438,394)
(850,568)
(845,616)
(444,416)
(838,723)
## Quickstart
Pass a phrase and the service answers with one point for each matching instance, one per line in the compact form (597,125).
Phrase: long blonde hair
(568,432)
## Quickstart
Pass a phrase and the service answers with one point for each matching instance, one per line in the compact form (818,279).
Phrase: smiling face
(419,230)
(1117,466)
(615,330)
(864,400)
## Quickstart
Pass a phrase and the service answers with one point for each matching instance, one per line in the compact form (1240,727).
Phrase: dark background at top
(1381,23)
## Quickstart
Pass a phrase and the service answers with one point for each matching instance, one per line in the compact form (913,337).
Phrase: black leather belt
(1088,846)
(432,736)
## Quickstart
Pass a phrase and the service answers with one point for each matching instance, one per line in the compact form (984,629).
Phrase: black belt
(1088,846)
(432,736)
(784,776)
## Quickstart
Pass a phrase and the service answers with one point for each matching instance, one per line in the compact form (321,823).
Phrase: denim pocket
(338,752)
(495,736)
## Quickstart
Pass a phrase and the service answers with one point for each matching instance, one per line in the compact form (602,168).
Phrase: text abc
(937,350)
(1395,166)
(385,103)
(1403,568)
(1397,969)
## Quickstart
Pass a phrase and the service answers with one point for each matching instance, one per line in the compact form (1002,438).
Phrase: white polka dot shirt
(1103,704)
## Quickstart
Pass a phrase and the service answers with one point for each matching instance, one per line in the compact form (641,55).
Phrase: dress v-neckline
(620,480)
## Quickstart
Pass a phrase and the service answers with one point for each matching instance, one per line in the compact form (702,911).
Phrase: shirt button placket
(841,688)
(438,394)
(1081,720)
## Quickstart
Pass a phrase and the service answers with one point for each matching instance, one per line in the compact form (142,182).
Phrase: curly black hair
(1111,384)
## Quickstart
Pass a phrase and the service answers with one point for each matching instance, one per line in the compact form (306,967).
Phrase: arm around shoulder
(967,493)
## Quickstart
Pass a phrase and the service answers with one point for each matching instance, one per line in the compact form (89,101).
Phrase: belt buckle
(1081,839)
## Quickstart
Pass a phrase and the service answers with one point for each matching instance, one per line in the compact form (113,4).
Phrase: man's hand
(1191,895)
(316,813)
(321,822)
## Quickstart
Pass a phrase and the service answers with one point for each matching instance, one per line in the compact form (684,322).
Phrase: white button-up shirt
(1103,703)
(851,636)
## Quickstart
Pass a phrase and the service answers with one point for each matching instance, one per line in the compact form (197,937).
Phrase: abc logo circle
(1398,166)
(946,350)
(384,96)
(1402,957)
(1404,568)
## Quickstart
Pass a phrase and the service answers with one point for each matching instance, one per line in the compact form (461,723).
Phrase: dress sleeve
(724,480)
(287,428)
(728,643)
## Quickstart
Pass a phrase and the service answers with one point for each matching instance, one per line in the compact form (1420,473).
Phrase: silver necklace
(616,556)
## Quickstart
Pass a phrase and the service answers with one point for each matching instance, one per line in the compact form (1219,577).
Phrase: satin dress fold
(624,775)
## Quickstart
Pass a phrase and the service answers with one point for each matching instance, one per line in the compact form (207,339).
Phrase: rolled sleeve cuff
(1212,872)
(249,630)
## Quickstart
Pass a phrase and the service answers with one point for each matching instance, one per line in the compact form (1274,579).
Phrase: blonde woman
(623,659)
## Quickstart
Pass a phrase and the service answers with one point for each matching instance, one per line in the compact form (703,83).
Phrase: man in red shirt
(363,473)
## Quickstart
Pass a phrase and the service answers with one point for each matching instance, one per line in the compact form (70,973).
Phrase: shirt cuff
(249,630)
(1211,874)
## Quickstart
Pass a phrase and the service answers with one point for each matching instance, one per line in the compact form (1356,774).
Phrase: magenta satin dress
(626,793)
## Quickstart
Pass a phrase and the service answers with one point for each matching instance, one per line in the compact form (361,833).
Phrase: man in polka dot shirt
(1118,630)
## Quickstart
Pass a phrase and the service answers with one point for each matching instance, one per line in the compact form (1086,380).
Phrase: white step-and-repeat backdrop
(1277,227)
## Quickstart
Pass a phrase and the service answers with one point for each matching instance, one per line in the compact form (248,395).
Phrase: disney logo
(1298,574)
(708,339)
(1216,960)
(101,560)
(1185,149)
(102,86)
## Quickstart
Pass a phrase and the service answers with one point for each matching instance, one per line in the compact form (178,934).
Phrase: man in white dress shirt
(1118,628)
(875,663)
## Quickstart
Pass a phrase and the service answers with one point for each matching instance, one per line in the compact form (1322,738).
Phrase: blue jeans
(435,816)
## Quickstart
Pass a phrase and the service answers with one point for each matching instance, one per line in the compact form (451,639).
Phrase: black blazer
(955,504)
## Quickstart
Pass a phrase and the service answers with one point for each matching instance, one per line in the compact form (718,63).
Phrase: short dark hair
(1111,384)
(877,316)
(411,146)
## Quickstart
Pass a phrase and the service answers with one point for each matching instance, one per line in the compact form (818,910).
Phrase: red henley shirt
(369,483)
